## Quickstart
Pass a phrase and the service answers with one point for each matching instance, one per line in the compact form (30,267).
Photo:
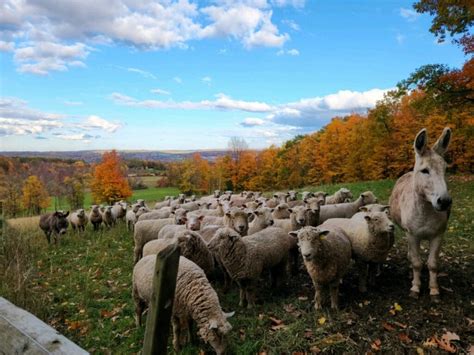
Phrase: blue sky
(163,74)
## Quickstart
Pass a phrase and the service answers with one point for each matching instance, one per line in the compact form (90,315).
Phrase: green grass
(83,289)
(150,195)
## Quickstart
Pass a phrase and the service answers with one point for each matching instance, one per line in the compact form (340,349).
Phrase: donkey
(54,224)
(420,204)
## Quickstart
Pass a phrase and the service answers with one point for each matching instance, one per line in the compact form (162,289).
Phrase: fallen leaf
(397,307)
(277,327)
(376,345)
(322,320)
(420,351)
(449,336)
(315,350)
(275,321)
(308,333)
(401,325)
(388,326)
(404,338)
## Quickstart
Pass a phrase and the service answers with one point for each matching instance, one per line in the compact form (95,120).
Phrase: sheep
(295,203)
(141,203)
(245,259)
(95,217)
(375,207)
(212,221)
(78,220)
(147,230)
(317,196)
(263,219)
(306,194)
(292,195)
(191,245)
(194,300)
(164,212)
(371,235)
(165,203)
(178,201)
(348,209)
(190,206)
(107,216)
(239,201)
(281,211)
(282,197)
(130,216)
(298,219)
(54,223)
(339,196)
(252,205)
(119,210)
(204,205)
(192,223)
(217,212)
(327,256)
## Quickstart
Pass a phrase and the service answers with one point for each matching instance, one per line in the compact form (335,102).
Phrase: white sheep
(327,256)
(348,209)
(195,300)
(371,235)
(107,216)
(192,223)
(339,196)
(119,210)
(165,203)
(164,212)
(95,217)
(263,219)
(78,220)
(281,211)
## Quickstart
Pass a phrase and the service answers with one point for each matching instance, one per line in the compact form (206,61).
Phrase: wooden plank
(23,333)
(161,304)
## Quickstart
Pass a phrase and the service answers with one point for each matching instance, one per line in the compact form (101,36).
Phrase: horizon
(81,77)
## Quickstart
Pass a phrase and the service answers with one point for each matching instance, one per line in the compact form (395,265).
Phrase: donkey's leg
(416,264)
(435,246)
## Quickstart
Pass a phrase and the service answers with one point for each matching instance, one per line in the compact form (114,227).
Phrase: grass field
(151,195)
(83,289)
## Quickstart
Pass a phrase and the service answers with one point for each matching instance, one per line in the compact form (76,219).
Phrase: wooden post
(161,303)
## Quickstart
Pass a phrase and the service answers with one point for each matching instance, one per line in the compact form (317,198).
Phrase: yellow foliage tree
(34,195)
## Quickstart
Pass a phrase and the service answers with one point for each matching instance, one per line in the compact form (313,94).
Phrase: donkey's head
(430,168)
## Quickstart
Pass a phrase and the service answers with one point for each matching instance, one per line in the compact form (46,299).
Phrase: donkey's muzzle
(444,203)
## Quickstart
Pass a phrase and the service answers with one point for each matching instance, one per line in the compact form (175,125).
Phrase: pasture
(83,288)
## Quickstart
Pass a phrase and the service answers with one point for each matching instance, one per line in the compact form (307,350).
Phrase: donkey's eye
(425,171)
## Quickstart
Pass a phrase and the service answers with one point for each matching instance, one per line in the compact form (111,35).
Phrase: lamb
(192,246)
(195,300)
(348,209)
(281,211)
(107,216)
(54,224)
(78,220)
(165,203)
(326,254)
(119,210)
(192,223)
(164,212)
(371,235)
(339,196)
(95,217)
(148,230)
(245,259)
(263,219)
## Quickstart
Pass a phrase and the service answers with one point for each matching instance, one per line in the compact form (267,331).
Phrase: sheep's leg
(318,297)
(334,293)
(435,246)
(243,293)
(362,268)
(139,307)
(184,337)
(176,334)
(416,264)
(250,294)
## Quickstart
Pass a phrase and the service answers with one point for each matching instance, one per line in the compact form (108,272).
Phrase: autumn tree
(109,183)
(34,195)
(10,187)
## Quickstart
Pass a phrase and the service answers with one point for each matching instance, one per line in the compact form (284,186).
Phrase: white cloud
(143,73)
(50,36)
(160,92)
(73,137)
(400,38)
(409,14)
(293,52)
(94,121)
(206,80)
(42,57)
(73,103)
(18,126)
(292,24)
(178,80)
(252,122)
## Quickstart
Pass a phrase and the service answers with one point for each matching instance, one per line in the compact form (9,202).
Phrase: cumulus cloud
(252,122)
(53,36)
(101,123)
(409,14)
(292,24)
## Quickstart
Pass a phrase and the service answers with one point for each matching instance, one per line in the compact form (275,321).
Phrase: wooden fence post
(161,303)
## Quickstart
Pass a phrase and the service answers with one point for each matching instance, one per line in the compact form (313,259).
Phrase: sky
(179,75)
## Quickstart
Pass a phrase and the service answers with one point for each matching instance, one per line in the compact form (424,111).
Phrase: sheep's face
(346,195)
(135,208)
(314,203)
(180,216)
(265,215)
(95,209)
(299,214)
(293,196)
(368,198)
(108,210)
(194,222)
(141,211)
(216,334)
(306,194)
(380,224)
(81,213)
(238,220)
(217,193)
(309,241)
(224,238)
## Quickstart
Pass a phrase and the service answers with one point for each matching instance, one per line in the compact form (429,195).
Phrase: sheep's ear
(368,218)
(212,324)
(228,315)
(231,203)
(228,214)
(199,204)
(257,213)
(442,143)
(259,204)
(421,142)
(201,218)
(363,209)
(244,205)
(293,234)
(275,195)
(290,210)
(271,210)
(249,214)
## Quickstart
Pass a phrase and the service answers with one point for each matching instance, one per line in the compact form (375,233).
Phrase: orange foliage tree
(109,183)
(34,195)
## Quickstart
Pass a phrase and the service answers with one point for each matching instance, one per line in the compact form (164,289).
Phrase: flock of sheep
(239,237)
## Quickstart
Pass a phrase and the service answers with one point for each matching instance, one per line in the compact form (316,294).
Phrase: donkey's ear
(421,142)
(442,143)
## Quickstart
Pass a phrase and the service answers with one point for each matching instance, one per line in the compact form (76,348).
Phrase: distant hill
(92,156)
